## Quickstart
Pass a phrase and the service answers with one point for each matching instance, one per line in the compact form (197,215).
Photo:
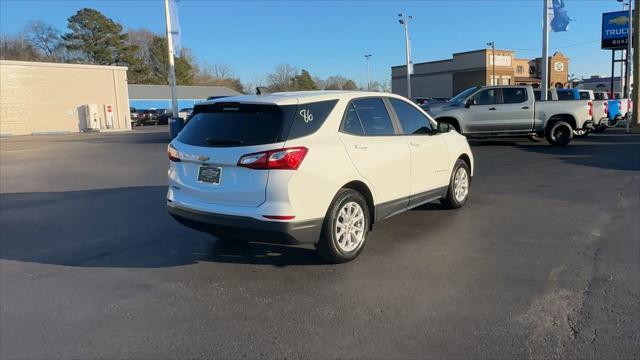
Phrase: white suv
(312,167)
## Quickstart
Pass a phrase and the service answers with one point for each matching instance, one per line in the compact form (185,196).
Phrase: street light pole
(404,20)
(493,60)
(368,57)
(172,68)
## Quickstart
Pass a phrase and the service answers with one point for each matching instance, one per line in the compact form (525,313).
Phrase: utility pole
(544,86)
(493,60)
(405,23)
(368,57)
(172,66)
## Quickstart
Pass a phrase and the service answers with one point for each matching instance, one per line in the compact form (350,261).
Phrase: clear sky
(331,37)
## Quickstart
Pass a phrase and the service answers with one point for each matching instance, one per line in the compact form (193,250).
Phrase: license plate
(209,174)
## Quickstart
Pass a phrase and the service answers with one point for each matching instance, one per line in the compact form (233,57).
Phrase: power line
(560,47)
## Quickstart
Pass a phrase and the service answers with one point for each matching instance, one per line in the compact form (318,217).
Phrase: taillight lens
(173,154)
(280,159)
(590,108)
(606,108)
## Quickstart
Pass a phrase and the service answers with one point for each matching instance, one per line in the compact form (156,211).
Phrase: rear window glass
(374,116)
(566,95)
(309,117)
(234,124)
(514,95)
(536,95)
(584,95)
(599,96)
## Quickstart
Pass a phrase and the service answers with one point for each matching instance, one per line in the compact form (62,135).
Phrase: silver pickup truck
(512,111)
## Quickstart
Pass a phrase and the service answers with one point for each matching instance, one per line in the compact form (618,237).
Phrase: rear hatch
(216,137)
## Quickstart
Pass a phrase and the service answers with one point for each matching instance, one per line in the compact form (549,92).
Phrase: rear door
(213,141)
(516,110)
(378,153)
(429,154)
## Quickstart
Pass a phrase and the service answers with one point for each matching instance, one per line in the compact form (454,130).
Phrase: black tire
(450,201)
(581,133)
(328,248)
(536,138)
(559,133)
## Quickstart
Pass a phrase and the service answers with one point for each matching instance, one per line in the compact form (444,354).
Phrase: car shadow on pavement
(120,227)
(615,151)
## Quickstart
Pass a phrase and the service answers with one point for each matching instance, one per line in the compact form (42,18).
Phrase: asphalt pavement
(543,262)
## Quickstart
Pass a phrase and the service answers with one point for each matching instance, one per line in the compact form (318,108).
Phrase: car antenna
(261,90)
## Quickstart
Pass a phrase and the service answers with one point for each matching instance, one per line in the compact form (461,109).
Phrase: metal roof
(163,92)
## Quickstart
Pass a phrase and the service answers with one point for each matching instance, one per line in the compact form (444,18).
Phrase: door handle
(414,144)
(525,107)
(492,109)
(360,147)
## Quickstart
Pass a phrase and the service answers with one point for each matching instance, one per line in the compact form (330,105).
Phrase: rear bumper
(247,228)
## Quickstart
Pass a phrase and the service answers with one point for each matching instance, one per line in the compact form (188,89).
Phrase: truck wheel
(582,133)
(345,229)
(559,134)
(458,191)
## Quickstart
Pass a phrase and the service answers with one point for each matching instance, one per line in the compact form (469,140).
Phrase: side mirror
(470,102)
(444,127)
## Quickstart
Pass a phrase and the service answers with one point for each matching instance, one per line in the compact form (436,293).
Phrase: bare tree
(17,47)
(386,85)
(44,37)
(282,78)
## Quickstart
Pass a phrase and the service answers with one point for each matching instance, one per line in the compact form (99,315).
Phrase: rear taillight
(281,159)
(606,108)
(590,108)
(173,154)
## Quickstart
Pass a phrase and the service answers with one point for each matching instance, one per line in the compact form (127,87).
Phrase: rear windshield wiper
(212,141)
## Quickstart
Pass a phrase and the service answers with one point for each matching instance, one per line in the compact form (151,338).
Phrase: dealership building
(446,78)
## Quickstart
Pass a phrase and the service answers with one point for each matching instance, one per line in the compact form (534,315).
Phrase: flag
(560,19)
(175,27)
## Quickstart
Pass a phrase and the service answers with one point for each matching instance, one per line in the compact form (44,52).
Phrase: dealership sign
(615,30)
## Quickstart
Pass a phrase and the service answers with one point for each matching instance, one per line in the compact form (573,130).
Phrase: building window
(519,69)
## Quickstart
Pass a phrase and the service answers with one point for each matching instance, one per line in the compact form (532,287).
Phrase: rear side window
(351,124)
(411,120)
(514,95)
(566,95)
(584,95)
(234,124)
(599,96)
(309,118)
(374,116)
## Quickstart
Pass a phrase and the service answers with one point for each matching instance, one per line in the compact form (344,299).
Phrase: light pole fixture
(493,60)
(368,57)
(404,21)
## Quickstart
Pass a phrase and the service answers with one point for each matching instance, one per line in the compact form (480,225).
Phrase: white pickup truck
(512,111)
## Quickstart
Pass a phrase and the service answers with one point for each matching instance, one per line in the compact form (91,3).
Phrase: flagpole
(172,67)
(544,86)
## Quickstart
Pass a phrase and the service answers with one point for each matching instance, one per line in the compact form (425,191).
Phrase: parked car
(429,100)
(184,113)
(616,109)
(512,111)
(312,167)
(600,108)
(164,115)
(134,116)
(148,117)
